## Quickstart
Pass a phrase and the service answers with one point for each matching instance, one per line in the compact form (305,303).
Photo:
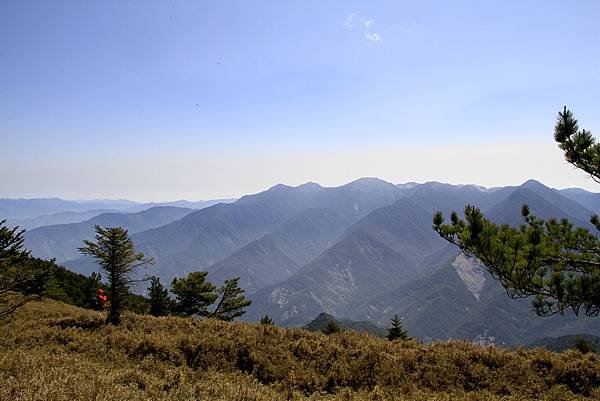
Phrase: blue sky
(158,100)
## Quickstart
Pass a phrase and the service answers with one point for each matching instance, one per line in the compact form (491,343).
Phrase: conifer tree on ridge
(114,251)
(552,261)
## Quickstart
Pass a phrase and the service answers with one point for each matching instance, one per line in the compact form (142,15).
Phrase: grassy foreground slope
(53,351)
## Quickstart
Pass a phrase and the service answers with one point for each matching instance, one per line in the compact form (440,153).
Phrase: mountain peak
(369,182)
(310,186)
(278,187)
(408,185)
(533,184)
(306,187)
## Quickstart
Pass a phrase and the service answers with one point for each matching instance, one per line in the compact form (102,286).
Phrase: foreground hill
(563,343)
(320,323)
(52,351)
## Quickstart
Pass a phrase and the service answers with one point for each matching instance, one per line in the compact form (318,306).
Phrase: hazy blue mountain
(459,299)
(338,280)
(435,196)
(403,226)
(45,208)
(543,203)
(589,200)
(376,254)
(443,294)
(61,241)
(364,251)
(304,236)
(568,206)
(210,235)
(205,237)
(181,203)
(429,305)
(57,218)
(30,208)
(277,255)
(358,198)
(455,297)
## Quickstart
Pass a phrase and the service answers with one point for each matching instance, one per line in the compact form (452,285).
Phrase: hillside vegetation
(53,351)
(320,323)
(563,343)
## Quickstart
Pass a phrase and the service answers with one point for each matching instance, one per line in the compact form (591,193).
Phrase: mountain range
(362,251)
(60,241)
(38,212)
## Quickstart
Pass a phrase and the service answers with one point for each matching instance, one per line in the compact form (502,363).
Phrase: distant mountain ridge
(542,204)
(363,251)
(208,236)
(588,199)
(305,235)
(429,304)
(29,209)
(378,253)
(57,218)
(279,254)
(61,241)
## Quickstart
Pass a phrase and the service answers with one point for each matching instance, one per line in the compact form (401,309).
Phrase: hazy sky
(160,100)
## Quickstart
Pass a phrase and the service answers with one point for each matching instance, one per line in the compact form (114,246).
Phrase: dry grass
(52,351)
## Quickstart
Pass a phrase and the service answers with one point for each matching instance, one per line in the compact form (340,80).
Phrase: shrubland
(53,351)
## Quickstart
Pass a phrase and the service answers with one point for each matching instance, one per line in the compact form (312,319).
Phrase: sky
(163,100)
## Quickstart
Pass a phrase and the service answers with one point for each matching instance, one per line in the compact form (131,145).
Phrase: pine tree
(396,330)
(267,321)
(579,146)
(193,294)
(114,251)
(159,298)
(552,261)
(232,301)
(22,278)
